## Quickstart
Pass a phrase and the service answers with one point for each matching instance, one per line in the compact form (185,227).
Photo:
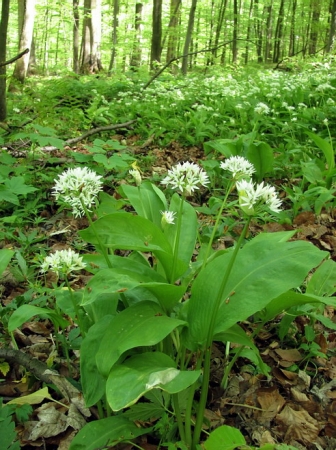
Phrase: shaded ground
(297,408)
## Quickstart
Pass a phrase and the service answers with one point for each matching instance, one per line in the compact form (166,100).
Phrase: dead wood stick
(33,365)
(10,61)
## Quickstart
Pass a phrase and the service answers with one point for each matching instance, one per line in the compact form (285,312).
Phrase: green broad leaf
(227,147)
(289,299)
(106,433)
(311,172)
(5,256)
(17,185)
(93,383)
(263,270)
(167,295)
(326,148)
(261,156)
(141,373)
(188,232)
(128,232)
(7,195)
(144,411)
(224,438)
(323,280)
(26,312)
(147,200)
(108,204)
(142,324)
(111,281)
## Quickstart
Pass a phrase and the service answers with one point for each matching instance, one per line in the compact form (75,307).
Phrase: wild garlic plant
(155,310)
(160,307)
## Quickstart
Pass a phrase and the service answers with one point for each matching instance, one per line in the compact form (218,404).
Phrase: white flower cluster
(78,185)
(252,197)
(186,177)
(262,108)
(136,175)
(168,218)
(238,166)
(63,262)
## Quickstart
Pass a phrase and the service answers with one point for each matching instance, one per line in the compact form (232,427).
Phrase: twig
(33,365)
(10,61)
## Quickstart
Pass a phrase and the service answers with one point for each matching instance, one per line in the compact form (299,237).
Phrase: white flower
(253,197)
(78,185)
(63,262)
(136,175)
(262,108)
(238,166)
(325,121)
(186,177)
(167,218)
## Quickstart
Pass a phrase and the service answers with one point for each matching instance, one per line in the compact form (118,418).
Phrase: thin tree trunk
(189,36)
(136,53)
(332,29)
(235,33)
(156,48)
(268,44)
(3,44)
(248,34)
(26,10)
(292,49)
(172,30)
(116,8)
(279,33)
(75,36)
(315,18)
(258,32)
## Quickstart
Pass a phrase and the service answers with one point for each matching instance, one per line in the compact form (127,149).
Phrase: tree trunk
(219,26)
(248,33)
(172,30)
(279,33)
(235,33)
(116,8)
(26,10)
(258,31)
(188,36)
(332,29)
(3,42)
(156,48)
(211,32)
(291,50)
(268,44)
(91,38)
(75,36)
(136,53)
(314,28)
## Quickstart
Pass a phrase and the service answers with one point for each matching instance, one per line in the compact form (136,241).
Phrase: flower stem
(211,331)
(76,307)
(219,215)
(102,247)
(177,241)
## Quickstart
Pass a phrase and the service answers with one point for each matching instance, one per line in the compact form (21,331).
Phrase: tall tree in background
(332,29)
(314,27)
(116,8)
(188,37)
(136,52)
(175,8)
(26,14)
(156,44)
(91,38)
(279,33)
(75,36)
(291,51)
(235,33)
(3,44)
(219,25)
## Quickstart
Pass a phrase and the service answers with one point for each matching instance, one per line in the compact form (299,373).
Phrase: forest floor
(293,407)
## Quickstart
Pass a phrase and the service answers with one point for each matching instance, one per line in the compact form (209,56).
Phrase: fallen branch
(33,365)
(10,61)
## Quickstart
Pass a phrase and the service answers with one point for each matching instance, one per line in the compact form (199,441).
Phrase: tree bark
(332,29)
(314,28)
(75,36)
(26,10)
(268,44)
(116,8)
(172,29)
(189,36)
(91,39)
(136,53)
(279,33)
(291,50)
(235,33)
(3,42)
(156,47)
